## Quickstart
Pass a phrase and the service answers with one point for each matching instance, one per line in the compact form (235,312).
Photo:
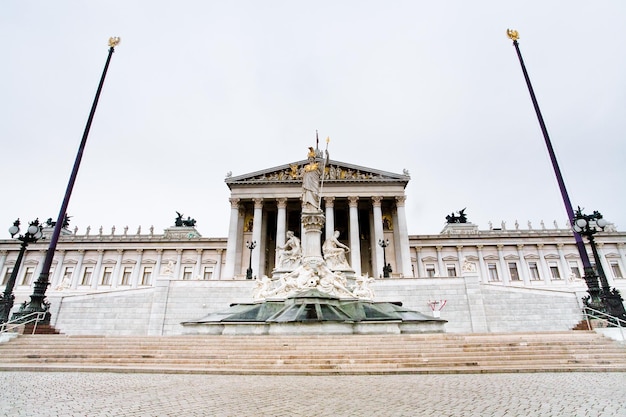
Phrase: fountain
(313,289)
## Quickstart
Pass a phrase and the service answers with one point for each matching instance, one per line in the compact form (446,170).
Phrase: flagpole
(37,302)
(590,277)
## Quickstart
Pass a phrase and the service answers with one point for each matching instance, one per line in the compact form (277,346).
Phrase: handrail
(609,319)
(35,317)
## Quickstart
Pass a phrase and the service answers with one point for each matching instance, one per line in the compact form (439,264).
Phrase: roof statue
(461,218)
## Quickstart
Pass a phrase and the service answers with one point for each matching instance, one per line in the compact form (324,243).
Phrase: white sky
(200,88)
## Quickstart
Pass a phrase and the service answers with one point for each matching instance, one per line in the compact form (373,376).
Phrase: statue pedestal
(460,229)
(312,223)
(181,232)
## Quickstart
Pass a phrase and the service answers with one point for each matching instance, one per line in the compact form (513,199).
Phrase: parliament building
(479,279)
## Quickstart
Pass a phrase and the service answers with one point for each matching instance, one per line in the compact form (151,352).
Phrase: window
(87,276)
(617,272)
(554,270)
(187,272)
(28,276)
(208,273)
(575,270)
(106,275)
(513,271)
(534,271)
(451,270)
(7,275)
(146,278)
(126,275)
(430,270)
(493,272)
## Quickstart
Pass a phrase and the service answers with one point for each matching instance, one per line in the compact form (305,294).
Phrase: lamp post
(588,225)
(37,299)
(251,246)
(386,268)
(32,235)
(590,277)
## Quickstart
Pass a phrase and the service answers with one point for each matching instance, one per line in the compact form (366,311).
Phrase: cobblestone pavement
(133,394)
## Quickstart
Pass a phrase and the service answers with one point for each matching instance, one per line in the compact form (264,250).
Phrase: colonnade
(364,226)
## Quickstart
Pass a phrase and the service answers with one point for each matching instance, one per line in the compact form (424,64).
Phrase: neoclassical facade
(366,206)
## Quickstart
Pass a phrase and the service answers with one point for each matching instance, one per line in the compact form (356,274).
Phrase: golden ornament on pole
(512,34)
(114,41)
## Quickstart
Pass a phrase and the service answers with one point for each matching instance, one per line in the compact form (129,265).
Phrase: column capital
(353,201)
(377,201)
(480,247)
(560,245)
(100,251)
(159,250)
(219,250)
(500,246)
(234,202)
(258,203)
(330,201)
(120,251)
(281,202)
(179,251)
(400,200)
(81,251)
(540,245)
(459,247)
(520,246)
(439,248)
(140,250)
(199,251)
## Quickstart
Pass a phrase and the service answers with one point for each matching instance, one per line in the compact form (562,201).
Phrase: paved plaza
(134,394)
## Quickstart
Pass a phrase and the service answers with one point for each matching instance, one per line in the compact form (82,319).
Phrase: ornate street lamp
(386,268)
(37,299)
(32,235)
(251,246)
(587,225)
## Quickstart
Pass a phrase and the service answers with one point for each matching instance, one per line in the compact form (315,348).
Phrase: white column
(217,273)
(3,258)
(442,270)
(542,264)
(118,267)
(134,281)
(605,265)
(96,271)
(157,267)
(379,235)
(503,266)
(355,248)
(484,272)
(60,255)
(42,257)
(281,225)
(198,273)
(179,261)
(460,256)
(403,236)
(419,271)
(256,236)
(565,269)
(231,245)
(330,216)
(522,265)
(77,275)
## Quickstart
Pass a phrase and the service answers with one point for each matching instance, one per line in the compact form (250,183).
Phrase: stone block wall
(471,306)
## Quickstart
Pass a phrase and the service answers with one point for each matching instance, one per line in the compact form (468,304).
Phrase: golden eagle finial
(311,153)
(114,41)
(512,34)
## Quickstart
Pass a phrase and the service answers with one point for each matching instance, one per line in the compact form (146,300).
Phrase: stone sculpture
(335,252)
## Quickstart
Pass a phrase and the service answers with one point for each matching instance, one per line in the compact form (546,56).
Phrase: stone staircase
(318,354)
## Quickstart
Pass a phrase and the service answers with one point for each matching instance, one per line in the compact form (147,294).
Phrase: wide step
(319,354)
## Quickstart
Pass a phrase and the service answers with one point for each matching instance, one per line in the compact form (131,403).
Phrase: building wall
(470,306)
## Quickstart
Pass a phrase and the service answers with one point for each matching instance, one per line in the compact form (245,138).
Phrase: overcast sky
(200,88)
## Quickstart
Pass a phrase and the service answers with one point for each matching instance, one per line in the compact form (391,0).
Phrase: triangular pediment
(334,172)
